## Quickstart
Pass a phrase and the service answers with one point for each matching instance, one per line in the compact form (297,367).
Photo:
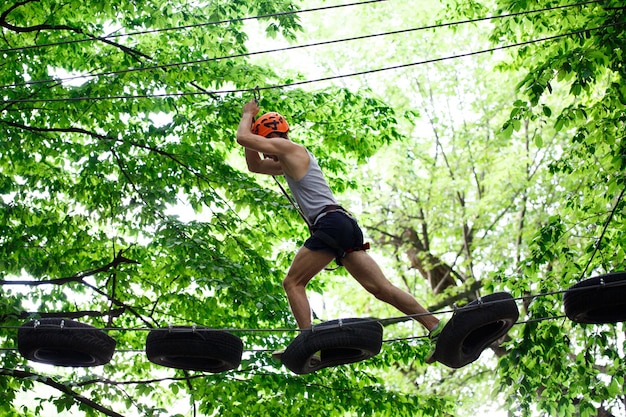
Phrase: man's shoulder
(294,148)
(296,163)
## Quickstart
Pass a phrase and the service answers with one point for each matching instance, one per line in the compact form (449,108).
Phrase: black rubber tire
(591,302)
(195,349)
(64,342)
(474,327)
(338,341)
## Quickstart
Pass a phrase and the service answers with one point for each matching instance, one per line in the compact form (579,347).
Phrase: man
(335,233)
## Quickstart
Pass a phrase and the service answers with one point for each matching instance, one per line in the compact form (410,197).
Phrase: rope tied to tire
(597,300)
(332,343)
(54,341)
(473,327)
(194,348)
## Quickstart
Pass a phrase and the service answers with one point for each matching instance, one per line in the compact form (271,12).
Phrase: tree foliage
(582,369)
(126,203)
(511,179)
(534,207)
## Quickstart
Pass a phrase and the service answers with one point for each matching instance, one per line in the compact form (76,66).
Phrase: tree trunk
(439,275)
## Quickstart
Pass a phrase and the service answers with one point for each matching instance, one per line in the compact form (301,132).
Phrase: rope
(383,322)
(258,350)
(293,203)
(200,61)
(190,26)
(315,80)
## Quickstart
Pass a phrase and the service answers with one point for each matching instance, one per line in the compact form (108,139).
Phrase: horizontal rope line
(399,339)
(200,61)
(384,340)
(260,350)
(217,22)
(300,83)
(390,320)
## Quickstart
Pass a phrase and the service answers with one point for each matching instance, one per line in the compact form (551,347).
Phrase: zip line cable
(604,228)
(429,61)
(391,320)
(195,25)
(392,340)
(314,44)
(316,80)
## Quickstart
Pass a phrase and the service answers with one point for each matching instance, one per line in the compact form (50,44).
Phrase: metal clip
(257,94)
(36,324)
(62,325)
(169,328)
(340,322)
(602,283)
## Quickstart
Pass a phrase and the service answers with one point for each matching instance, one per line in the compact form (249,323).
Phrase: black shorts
(344,231)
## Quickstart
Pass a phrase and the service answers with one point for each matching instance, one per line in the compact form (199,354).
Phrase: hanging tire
(196,349)
(474,327)
(597,300)
(64,342)
(338,342)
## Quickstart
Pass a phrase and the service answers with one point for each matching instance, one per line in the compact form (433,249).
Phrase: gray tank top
(311,192)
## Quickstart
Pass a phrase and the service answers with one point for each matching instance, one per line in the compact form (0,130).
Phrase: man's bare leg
(367,272)
(306,264)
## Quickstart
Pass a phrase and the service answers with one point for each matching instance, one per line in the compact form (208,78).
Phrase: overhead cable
(190,26)
(387,321)
(314,44)
(260,350)
(604,229)
(304,82)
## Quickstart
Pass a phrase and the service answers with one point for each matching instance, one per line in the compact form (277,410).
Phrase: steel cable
(314,44)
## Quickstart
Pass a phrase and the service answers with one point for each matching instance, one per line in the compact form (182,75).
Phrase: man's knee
(290,283)
(287,283)
(381,292)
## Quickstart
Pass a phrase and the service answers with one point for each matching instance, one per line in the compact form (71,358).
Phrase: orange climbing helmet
(269,123)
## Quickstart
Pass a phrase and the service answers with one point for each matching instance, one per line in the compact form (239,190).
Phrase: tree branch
(16,373)
(119,259)
(108,138)
(37,28)
(120,165)
(138,382)
(119,303)
(64,314)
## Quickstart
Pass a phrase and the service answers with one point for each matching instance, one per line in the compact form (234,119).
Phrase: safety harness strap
(331,242)
(324,237)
